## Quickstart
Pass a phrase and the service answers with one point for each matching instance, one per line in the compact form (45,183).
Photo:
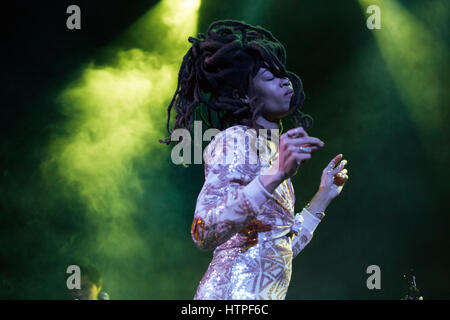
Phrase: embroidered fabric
(254,234)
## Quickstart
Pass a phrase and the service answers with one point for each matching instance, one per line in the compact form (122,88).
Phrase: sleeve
(303,229)
(232,194)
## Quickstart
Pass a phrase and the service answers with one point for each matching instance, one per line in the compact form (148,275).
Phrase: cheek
(269,94)
(275,100)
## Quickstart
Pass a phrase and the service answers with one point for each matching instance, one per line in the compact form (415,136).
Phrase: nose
(285,82)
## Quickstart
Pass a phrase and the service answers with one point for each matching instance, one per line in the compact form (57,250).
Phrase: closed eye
(268,73)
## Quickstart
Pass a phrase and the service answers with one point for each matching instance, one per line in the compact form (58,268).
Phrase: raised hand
(295,149)
(333,179)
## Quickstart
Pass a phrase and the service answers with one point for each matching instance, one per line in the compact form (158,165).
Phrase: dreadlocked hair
(217,72)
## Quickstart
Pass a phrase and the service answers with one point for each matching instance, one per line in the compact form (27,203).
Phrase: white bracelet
(319,215)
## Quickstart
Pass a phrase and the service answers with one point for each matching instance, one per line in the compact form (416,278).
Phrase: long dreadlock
(217,72)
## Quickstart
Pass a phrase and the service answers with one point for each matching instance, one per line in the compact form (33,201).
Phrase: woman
(234,78)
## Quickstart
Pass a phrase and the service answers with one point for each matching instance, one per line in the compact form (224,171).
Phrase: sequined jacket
(254,234)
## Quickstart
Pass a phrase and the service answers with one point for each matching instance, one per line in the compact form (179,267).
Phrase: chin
(286,111)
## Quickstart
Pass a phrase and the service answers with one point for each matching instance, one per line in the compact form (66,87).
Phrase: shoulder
(232,133)
(233,140)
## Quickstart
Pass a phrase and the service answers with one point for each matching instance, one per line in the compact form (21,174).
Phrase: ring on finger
(305,149)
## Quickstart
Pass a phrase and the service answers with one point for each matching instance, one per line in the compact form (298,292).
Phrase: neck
(267,124)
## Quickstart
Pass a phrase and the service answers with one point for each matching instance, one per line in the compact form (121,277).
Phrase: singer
(245,212)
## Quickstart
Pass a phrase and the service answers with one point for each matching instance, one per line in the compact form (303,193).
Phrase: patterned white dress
(254,234)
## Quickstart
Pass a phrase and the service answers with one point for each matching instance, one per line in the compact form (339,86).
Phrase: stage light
(114,116)
(417,60)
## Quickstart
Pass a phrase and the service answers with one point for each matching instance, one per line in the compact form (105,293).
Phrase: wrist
(324,194)
(271,179)
(319,202)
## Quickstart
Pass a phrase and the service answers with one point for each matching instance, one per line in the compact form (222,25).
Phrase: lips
(289,92)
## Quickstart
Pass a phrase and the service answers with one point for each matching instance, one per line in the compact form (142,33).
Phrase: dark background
(393,212)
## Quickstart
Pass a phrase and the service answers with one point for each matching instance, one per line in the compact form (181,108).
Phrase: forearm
(271,179)
(319,202)
(307,221)
(217,218)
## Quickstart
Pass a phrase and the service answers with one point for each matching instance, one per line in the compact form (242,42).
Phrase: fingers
(298,137)
(340,179)
(292,149)
(306,140)
(299,148)
(305,144)
(342,174)
(334,161)
(339,169)
(297,132)
(306,148)
(301,157)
